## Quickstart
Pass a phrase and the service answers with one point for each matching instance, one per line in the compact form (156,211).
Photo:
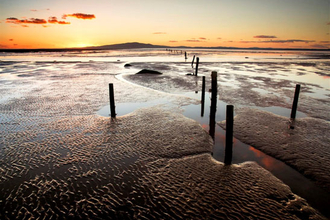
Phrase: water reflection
(299,184)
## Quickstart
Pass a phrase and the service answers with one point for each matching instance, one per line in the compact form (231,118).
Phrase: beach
(61,158)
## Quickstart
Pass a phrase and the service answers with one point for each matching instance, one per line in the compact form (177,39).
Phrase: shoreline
(64,152)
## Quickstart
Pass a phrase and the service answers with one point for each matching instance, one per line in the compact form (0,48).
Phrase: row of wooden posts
(229,113)
(192,62)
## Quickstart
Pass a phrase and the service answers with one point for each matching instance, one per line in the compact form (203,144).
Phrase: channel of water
(299,184)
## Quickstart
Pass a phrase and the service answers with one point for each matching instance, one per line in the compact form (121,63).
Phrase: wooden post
(295,102)
(197,62)
(213,104)
(192,62)
(203,97)
(112,101)
(185,55)
(229,134)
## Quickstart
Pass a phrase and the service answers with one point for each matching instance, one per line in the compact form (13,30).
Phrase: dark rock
(146,71)
(127,65)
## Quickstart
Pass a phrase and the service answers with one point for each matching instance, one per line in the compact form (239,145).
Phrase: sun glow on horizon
(81,45)
(271,24)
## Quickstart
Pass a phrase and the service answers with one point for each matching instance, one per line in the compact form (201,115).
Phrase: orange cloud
(321,46)
(63,22)
(159,33)
(11,39)
(193,40)
(26,21)
(279,41)
(202,38)
(79,16)
(173,41)
(53,20)
(289,41)
(264,36)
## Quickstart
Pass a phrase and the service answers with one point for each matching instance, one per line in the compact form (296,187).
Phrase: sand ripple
(151,164)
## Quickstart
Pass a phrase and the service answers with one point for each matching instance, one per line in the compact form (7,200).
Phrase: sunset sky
(230,23)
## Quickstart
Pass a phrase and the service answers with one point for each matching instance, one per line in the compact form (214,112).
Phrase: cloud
(328,23)
(26,21)
(53,20)
(202,38)
(279,41)
(247,42)
(173,41)
(289,41)
(219,38)
(11,20)
(3,46)
(325,42)
(34,10)
(63,22)
(11,39)
(79,16)
(193,40)
(321,46)
(159,33)
(264,36)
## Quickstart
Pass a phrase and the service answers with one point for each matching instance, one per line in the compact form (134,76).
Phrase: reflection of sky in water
(126,108)
(242,152)
(107,62)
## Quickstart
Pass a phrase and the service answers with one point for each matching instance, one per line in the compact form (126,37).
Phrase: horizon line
(140,46)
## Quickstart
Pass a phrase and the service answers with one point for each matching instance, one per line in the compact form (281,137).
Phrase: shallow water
(28,71)
(299,184)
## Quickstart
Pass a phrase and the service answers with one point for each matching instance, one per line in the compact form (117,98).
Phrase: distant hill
(131,45)
(136,45)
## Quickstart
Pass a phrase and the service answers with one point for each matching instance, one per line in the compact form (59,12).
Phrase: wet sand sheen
(133,167)
(60,160)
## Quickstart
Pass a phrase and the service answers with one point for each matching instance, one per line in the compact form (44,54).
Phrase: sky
(208,23)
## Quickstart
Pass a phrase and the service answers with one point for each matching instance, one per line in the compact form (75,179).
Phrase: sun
(83,45)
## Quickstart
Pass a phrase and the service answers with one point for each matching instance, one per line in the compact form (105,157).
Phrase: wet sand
(150,164)
(60,160)
(306,147)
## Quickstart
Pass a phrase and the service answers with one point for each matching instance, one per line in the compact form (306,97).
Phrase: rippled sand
(151,164)
(306,147)
(58,159)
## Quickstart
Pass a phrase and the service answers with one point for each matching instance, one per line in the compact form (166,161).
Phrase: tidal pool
(300,185)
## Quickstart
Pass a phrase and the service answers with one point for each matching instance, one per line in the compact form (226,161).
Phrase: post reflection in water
(213,104)
(203,97)
(299,184)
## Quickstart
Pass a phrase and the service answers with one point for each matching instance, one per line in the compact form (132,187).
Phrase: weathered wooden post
(295,102)
(213,104)
(185,55)
(197,62)
(192,62)
(203,96)
(112,101)
(229,134)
